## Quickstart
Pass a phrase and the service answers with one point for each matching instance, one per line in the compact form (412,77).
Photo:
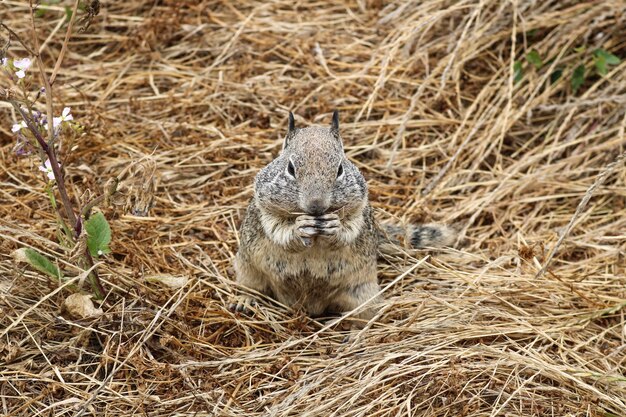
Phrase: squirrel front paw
(308,227)
(243,304)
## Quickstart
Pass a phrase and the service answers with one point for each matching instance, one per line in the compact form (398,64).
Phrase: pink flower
(22,65)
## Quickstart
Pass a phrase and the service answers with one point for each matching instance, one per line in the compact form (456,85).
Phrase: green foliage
(33,138)
(534,58)
(609,57)
(602,59)
(578,77)
(41,11)
(98,235)
(518,73)
(41,263)
(556,74)
(600,63)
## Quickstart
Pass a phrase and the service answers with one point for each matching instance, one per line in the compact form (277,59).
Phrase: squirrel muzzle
(316,206)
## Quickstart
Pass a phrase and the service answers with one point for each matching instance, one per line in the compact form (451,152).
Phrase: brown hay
(431,116)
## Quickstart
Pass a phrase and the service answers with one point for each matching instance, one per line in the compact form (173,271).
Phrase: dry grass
(431,116)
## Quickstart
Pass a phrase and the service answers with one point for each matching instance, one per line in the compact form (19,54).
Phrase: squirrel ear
(290,130)
(334,124)
(292,124)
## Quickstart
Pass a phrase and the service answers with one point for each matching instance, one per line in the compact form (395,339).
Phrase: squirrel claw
(307,231)
(309,226)
(242,304)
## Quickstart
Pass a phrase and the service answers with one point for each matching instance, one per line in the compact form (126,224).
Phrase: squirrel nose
(316,207)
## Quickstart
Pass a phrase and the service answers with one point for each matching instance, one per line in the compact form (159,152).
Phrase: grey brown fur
(309,238)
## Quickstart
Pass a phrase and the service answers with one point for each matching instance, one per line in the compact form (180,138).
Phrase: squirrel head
(311,175)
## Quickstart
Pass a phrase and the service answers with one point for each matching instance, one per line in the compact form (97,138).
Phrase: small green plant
(39,262)
(518,72)
(578,78)
(534,58)
(602,60)
(98,235)
(83,235)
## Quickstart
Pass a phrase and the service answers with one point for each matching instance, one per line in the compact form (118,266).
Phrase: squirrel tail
(418,236)
(431,235)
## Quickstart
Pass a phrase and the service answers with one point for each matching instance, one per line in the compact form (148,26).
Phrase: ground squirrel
(309,238)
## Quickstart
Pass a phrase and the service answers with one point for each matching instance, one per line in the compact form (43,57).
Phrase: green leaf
(68,13)
(38,261)
(600,63)
(578,77)
(518,73)
(534,58)
(602,58)
(554,77)
(608,57)
(98,235)
(580,49)
(613,60)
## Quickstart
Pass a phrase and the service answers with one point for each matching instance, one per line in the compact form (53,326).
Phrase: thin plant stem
(54,164)
(68,35)
(66,230)
(48,146)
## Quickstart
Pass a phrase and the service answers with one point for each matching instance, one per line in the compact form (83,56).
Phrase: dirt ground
(450,120)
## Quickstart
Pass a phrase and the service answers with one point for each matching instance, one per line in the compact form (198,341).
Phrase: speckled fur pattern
(417,236)
(309,238)
(329,276)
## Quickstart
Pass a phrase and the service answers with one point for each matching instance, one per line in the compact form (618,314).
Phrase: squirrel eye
(291,170)
(340,171)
